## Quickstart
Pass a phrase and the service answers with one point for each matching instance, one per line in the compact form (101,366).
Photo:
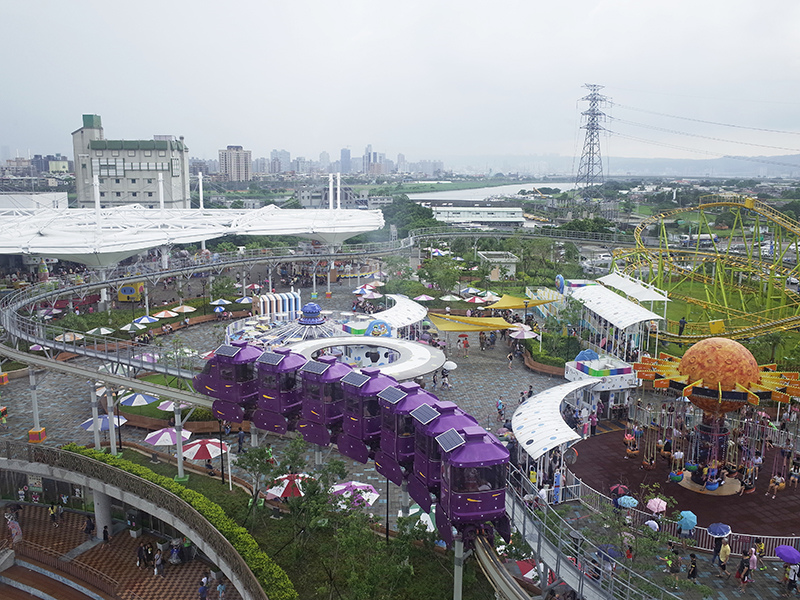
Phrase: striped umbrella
(138,399)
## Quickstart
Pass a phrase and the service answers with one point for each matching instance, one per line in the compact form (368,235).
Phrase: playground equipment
(739,278)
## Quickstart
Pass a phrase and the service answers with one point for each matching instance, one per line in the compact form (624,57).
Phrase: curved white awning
(537,422)
(616,309)
(405,312)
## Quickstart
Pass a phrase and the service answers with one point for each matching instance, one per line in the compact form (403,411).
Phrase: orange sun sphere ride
(718,375)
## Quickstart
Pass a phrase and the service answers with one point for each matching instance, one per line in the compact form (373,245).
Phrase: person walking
(446,380)
(141,556)
(435,379)
(240,439)
(106,535)
(791,579)
(88,528)
(723,555)
(221,590)
(593,423)
(717,547)
(202,591)
(510,359)
(52,511)
(466,347)
(158,563)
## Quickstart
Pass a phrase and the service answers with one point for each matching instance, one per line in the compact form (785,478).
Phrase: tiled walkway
(117,559)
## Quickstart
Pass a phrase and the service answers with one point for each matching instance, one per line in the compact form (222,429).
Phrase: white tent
(633,288)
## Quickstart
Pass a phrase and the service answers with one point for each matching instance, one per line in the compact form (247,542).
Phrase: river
(483,193)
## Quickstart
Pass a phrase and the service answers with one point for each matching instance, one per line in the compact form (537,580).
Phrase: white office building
(129,170)
(235,163)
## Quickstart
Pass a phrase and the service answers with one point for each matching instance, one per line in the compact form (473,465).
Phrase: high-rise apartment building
(344,161)
(235,163)
(280,161)
(128,170)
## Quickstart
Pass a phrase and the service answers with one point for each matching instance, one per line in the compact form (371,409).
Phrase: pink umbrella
(423,298)
(169,405)
(165,314)
(288,486)
(253,286)
(476,300)
(166,436)
(521,334)
(371,295)
(656,505)
(204,449)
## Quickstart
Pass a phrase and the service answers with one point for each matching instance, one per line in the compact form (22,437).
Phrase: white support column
(253,435)
(338,191)
(146,300)
(112,430)
(96,191)
(458,567)
(34,398)
(404,498)
(95,417)
(179,441)
(330,190)
(202,207)
(161,195)
(102,513)
(318,456)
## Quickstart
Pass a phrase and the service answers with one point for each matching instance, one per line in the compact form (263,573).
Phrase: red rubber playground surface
(601,463)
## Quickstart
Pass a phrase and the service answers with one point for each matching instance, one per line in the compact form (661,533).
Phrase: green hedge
(272,578)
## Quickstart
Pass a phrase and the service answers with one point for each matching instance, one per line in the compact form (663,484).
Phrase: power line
(660,114)
(705,152)
(697,135)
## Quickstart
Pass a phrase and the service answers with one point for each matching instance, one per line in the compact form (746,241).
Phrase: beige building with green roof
(129,171)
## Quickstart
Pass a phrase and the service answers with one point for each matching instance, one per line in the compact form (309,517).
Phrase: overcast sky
(430,79)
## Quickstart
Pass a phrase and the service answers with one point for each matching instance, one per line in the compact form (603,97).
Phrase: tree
(223,286)
(397,265)
(440,271)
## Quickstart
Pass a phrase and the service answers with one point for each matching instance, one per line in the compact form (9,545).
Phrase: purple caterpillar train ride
(439,451)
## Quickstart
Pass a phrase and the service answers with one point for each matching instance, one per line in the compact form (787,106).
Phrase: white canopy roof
(537,422)
(612,307)
(405,312)
(633,288)
(78,235)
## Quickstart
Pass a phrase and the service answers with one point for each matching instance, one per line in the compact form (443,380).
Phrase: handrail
(568,553)
(229,558)
(501,580)
(74,568)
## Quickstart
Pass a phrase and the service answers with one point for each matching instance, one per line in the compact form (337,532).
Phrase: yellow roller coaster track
(757,322)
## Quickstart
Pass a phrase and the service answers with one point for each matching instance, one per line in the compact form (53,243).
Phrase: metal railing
(73,568)
(565,551)
(740,542)
(228,557)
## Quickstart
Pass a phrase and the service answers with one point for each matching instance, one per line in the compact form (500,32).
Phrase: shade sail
(612,307)
(512,302)
(633,288)
(537,422)
(451,323)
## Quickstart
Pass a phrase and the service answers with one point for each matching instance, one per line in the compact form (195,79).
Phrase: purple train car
(396,456)
(280,392)
(361,424)
(323,399)
(230,378)
(433,421)
(473,480)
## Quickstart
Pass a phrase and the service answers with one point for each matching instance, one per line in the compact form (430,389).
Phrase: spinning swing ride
(714,430)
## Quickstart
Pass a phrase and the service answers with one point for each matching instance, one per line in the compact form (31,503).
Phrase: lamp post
(203,283)
(525,319)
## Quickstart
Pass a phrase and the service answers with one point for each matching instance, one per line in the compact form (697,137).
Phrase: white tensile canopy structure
(101,238)
(633,288)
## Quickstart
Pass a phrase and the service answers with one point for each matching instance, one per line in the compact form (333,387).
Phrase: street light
(525,320)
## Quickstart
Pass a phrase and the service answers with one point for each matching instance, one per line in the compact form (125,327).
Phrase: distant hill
(787,166)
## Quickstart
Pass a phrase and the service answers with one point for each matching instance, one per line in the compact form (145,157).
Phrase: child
(106,535)
(692,574)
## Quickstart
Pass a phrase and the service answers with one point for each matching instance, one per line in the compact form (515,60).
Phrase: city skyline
(423,79)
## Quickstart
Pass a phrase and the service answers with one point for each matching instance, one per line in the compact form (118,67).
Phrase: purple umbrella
(360,494)
(788,554)
(166,436)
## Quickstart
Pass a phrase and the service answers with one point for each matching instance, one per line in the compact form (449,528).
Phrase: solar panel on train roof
(227,351)
(355,379)
(450,440)
(392,395)
(270,358)
(315,367)
(425,413)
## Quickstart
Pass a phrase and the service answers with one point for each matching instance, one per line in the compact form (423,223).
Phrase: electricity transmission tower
(590,169)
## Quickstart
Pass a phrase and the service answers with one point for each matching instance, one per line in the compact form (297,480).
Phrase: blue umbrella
(788,554)
(244,300)
(719,530)
(137,399)
(220,302)
(145,319)
(219,309)
(688,520)
(628,502)
(102,420)
(608,552)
